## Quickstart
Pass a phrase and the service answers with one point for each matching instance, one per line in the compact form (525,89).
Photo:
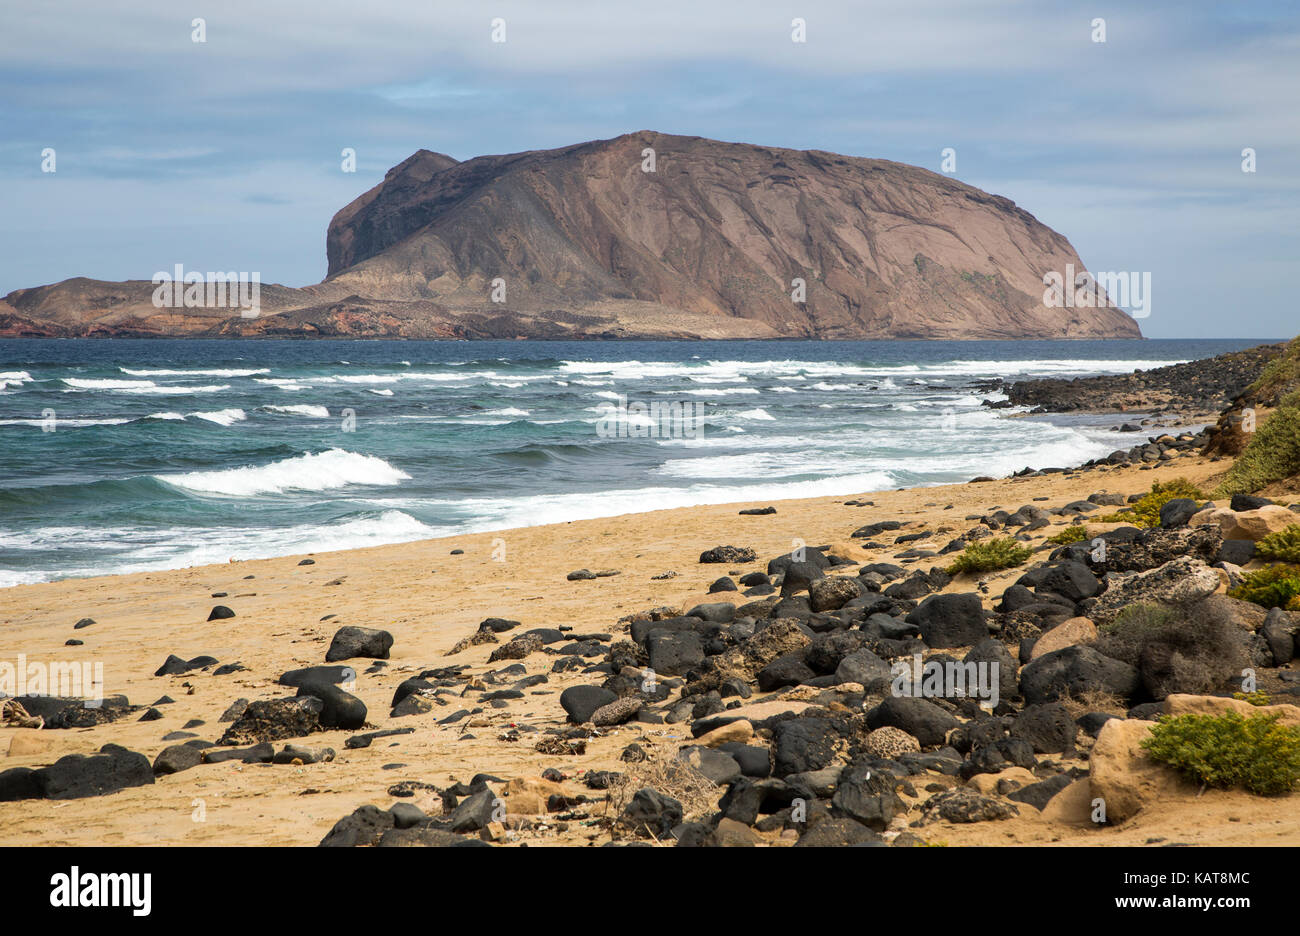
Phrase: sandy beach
(429,598)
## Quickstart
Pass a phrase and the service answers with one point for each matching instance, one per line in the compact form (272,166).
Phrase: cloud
(1123,146)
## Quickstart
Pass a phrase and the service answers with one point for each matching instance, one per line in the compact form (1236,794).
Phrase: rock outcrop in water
(582,241)
(1191,388)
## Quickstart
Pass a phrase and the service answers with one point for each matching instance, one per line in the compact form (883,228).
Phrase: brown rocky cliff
(589,245)
(718,229)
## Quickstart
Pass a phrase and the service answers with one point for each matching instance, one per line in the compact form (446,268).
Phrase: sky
(227,154)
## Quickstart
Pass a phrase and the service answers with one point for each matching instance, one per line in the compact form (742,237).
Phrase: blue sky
(226,154)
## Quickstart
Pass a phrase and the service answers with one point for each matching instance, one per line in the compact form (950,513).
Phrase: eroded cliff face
(583,242)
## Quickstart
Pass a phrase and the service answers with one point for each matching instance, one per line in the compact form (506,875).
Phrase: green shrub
(989,556)
(1229,750)
(1284,545)
(1141,620)
(1146,512)
(1272,454)
(1071,534)
(1279,374)
(1254,698)
(1271,587)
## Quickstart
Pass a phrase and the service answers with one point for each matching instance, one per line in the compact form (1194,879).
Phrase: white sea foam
(184,391)
(797,370)
(329,470)
(508,411)
(486,514)
(88,383)
(229,372)
(10,579)
(396,378)
(138,386)
(64,423)
(301,409)
(152,549)
(223,417)
(755,466)
(756,414)
(729,391)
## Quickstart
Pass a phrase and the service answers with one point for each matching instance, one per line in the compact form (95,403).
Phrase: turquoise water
(128,455)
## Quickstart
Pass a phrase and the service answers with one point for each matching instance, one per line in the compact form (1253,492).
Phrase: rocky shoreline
(807,735)
(721,683)
(1192,390)
(809,699)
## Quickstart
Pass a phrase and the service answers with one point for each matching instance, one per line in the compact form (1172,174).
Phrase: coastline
(430,599)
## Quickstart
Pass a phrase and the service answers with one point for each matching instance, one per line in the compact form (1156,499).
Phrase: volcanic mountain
(643,235)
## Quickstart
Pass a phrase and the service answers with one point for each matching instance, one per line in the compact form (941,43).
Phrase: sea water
(128,455)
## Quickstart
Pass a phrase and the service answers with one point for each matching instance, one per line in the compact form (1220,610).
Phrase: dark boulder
(318,674)
(365,826)
(75,776)
(474,812)
(651,812)
(352,642)
(1047,727)
(1076,670)
(920,718)
(728,554)
(674,653)
(19,783)
(837,832)
(1071,580)
(950,620)
(787,670)
(798,576)
(1038,794)
(174,665)
(581,702)
(1177,512)
(176,758)
(801,745)
(340,709)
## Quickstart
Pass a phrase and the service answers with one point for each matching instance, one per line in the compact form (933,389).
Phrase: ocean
(131,455)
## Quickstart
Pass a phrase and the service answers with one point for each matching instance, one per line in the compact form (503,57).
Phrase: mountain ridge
(581,241)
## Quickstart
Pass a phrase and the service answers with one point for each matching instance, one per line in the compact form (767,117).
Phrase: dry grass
(1093,700)
(668,775)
